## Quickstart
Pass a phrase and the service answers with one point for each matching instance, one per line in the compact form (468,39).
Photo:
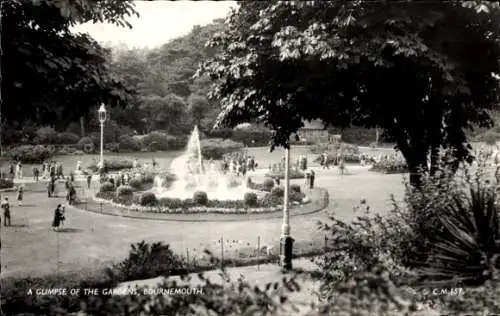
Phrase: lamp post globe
(102,118)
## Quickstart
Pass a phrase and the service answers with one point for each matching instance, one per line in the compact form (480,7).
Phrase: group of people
(15,170)
(238,164)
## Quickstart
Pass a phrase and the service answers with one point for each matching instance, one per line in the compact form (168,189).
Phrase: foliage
(29,154)
(107,187)
(389,166)
(146,261)
(200,198)
(6,183)
(295,188)
(467,247)
(148,199)
(418,51)
(48,66)
(333,159)
(67,138)
(216,148)
(268,184)
(335,148)
(46,135)
(128,143)
(135,183)
(250,199)
(161,141)
(113,165)
(86,143)
(124,190)
(278,191)
(292,174)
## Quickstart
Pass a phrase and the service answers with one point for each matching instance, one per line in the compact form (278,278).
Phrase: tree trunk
(82,126)
(434,160)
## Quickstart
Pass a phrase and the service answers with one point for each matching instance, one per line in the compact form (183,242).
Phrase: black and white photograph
(250,158)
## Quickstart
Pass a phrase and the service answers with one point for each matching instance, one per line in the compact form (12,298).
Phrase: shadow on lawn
(69,230)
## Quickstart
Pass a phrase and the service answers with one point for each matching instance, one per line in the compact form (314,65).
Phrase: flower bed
(113,165)
(390,167)
(293,174)
(146,202)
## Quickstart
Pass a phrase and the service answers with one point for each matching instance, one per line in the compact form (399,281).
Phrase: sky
(159,22)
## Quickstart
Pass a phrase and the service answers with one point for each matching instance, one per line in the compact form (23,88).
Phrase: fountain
(193,174)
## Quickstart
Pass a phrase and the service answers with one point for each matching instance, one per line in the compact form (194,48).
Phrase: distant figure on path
(36,173)
(58,217)
(51,187)
(20,192)
(19,170)
(6,212)
(11,171)
(311,180)
(154,163)
(135,164)
(89,181)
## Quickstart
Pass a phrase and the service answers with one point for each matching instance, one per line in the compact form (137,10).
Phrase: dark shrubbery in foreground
(30,154)
(6,183)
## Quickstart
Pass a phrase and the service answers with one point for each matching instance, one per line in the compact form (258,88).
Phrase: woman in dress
(58,217)
(20,192)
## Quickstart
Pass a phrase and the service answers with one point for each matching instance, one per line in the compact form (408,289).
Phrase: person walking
(20,193)
(311,179)
(6,212)
(36,173)
(11,171)
(89,181)
(58,217)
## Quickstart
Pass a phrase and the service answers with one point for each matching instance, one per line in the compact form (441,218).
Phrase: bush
(124,190)
(135,183)
(66,138)
(278,192)
(161,141)
(147,261)
(6,183)
(148,199)
(113,165)
(46,135)
(200,198)
(390,166)
(268,185)
(128,143)
(112,147)
(250,199)
(216,148)
(293,174)
(30,154)
(86,143)
(295,188)
(107,187)
(67,150)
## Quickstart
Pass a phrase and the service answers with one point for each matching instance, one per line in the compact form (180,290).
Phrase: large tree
(421,70)
(50,74)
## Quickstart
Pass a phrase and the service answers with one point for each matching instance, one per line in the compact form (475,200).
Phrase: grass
(93,240)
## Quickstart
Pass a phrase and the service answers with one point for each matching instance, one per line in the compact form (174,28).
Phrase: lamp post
(286,241)
(102,119)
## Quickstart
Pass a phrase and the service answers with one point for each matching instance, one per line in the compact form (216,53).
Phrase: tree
(51,75)
(422,71)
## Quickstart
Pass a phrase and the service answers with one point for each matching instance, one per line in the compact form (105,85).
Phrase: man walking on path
(6,212)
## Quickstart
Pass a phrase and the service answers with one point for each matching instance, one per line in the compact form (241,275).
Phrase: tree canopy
(421,70)
(51,75)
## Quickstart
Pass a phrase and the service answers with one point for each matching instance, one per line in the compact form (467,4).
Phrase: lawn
(90,240)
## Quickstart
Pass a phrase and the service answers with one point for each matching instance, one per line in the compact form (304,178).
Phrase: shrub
(293,174)
(107,187)
(6,183)
(161,141)
(216,148)
(112,147)
(66,138)
(66,150)
(148,199)
(295,188)
(390,166)
(334,149)
(250,199)
(278,191)
(46,135)
(30,154)
(124,190)
(128,143)
(146,261)
(84,141)
(135,183)
(268,185)
(200,198)
(113,165)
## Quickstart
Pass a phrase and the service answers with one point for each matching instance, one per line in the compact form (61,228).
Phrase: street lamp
(286,241)
(102,119)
